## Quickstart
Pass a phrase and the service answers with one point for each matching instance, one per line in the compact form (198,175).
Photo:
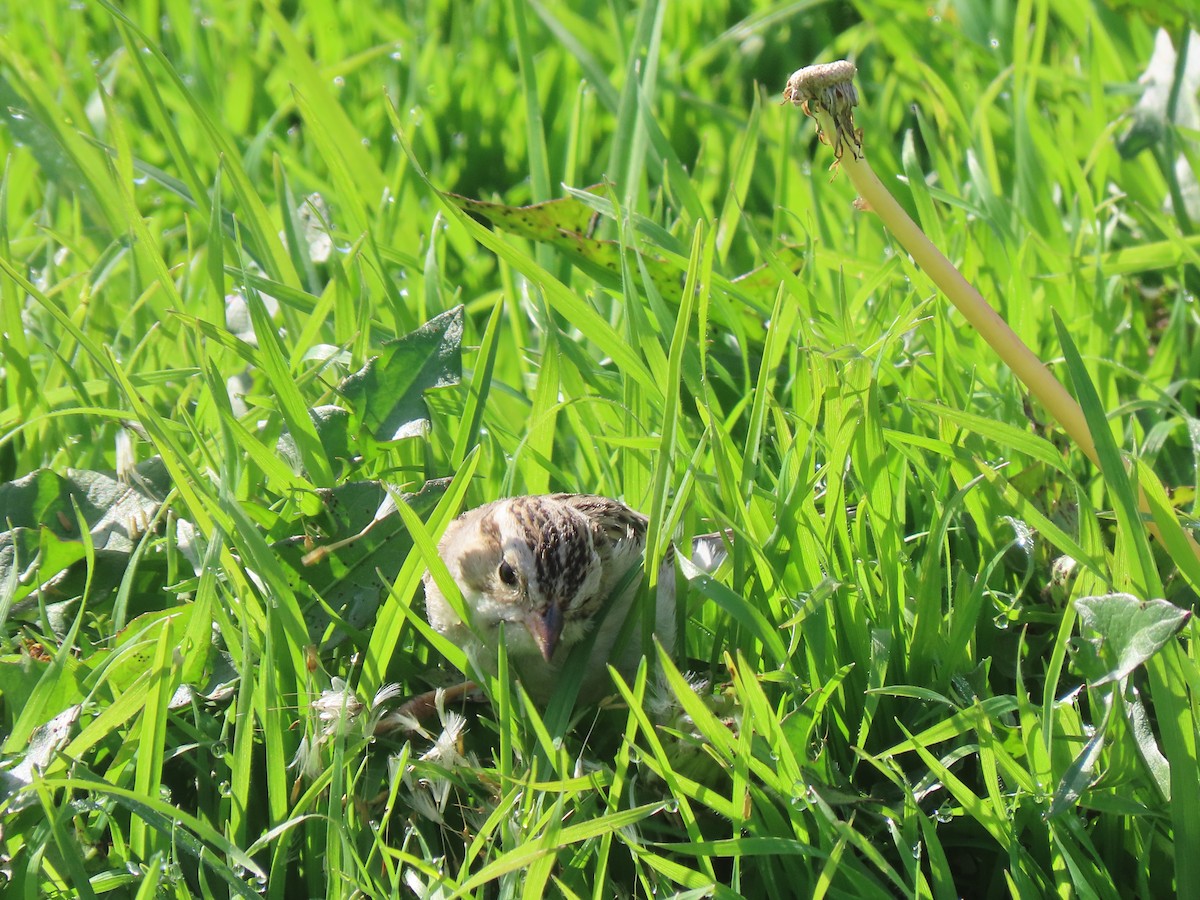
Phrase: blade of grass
(386,633)
(1136,563)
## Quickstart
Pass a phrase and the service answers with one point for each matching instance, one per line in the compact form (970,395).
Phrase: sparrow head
(529,562)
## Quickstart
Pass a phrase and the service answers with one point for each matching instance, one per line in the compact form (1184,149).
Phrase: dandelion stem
(1016,354)
(826,92)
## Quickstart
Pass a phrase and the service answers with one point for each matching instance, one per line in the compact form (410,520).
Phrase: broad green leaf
(568,225)
(387,394)
(1123,632)
(39,522)
(359,519)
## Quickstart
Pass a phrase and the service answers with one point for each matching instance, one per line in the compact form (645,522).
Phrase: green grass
(909,698)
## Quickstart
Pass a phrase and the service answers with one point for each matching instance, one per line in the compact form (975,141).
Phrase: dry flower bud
(829,88)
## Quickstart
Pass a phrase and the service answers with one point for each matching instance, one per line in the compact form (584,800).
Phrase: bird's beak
(546,629)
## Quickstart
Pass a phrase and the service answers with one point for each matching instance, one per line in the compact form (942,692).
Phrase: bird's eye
(507,574)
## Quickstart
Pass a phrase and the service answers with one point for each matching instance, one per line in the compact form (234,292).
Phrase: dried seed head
(826,83)
(829,88)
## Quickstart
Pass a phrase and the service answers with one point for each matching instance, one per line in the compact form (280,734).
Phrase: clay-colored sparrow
(551,568)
